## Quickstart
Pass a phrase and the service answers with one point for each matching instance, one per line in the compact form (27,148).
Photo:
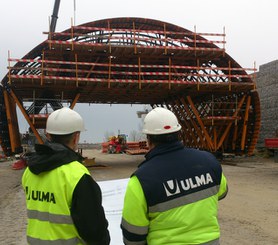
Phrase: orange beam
(184,33)
(26,117)
(147,66)
(243,138)
(75,101)
(12,122)
(230,124)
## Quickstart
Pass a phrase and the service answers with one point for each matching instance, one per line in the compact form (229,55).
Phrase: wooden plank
(196,113)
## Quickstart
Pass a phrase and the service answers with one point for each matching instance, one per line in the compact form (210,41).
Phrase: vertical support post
(9,109)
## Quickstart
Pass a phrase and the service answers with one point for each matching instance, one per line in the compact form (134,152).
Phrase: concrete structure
(267,85)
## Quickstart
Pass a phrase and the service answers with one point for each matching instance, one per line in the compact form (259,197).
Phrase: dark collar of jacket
(162,149)
(50,156)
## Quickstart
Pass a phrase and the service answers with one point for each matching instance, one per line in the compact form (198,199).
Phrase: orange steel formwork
(140,61)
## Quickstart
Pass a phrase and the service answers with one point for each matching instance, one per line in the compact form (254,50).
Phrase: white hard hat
(160,121)
(64,121)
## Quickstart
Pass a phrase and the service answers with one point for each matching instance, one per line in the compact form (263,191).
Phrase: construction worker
(172,198)
(64,203)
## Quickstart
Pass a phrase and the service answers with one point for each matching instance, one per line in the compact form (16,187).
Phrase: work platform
(138,61)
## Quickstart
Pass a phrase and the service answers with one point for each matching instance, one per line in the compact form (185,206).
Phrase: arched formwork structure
(138,61)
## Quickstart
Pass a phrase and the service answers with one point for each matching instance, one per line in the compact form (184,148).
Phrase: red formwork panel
(271,143)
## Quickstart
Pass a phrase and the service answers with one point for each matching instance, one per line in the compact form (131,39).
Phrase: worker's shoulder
(196,151)
(200,155)
(76,166)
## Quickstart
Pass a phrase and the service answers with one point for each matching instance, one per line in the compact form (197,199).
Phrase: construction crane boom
(54,16)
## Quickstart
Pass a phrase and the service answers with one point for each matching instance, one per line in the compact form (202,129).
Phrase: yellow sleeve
(135,206)
(223,188)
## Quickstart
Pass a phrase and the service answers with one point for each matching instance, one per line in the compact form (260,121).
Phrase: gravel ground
(248,215)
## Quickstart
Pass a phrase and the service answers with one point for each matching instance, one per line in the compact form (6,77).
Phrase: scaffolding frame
(142,61)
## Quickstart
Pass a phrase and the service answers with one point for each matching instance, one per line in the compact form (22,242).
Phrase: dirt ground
(248,215)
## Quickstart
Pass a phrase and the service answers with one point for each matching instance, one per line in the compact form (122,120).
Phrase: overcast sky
(250,27)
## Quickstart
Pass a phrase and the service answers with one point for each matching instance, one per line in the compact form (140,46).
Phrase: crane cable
(74,10)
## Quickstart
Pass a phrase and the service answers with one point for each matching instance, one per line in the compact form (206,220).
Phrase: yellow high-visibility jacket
(173,198)
(48,198)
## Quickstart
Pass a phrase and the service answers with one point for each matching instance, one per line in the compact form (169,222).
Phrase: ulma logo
(171,187)
(41,196)
(174,187)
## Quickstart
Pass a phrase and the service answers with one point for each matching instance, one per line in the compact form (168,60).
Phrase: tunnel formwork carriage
(138,61)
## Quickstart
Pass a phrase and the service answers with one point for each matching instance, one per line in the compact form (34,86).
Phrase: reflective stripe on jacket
(49,198)
(173,198)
